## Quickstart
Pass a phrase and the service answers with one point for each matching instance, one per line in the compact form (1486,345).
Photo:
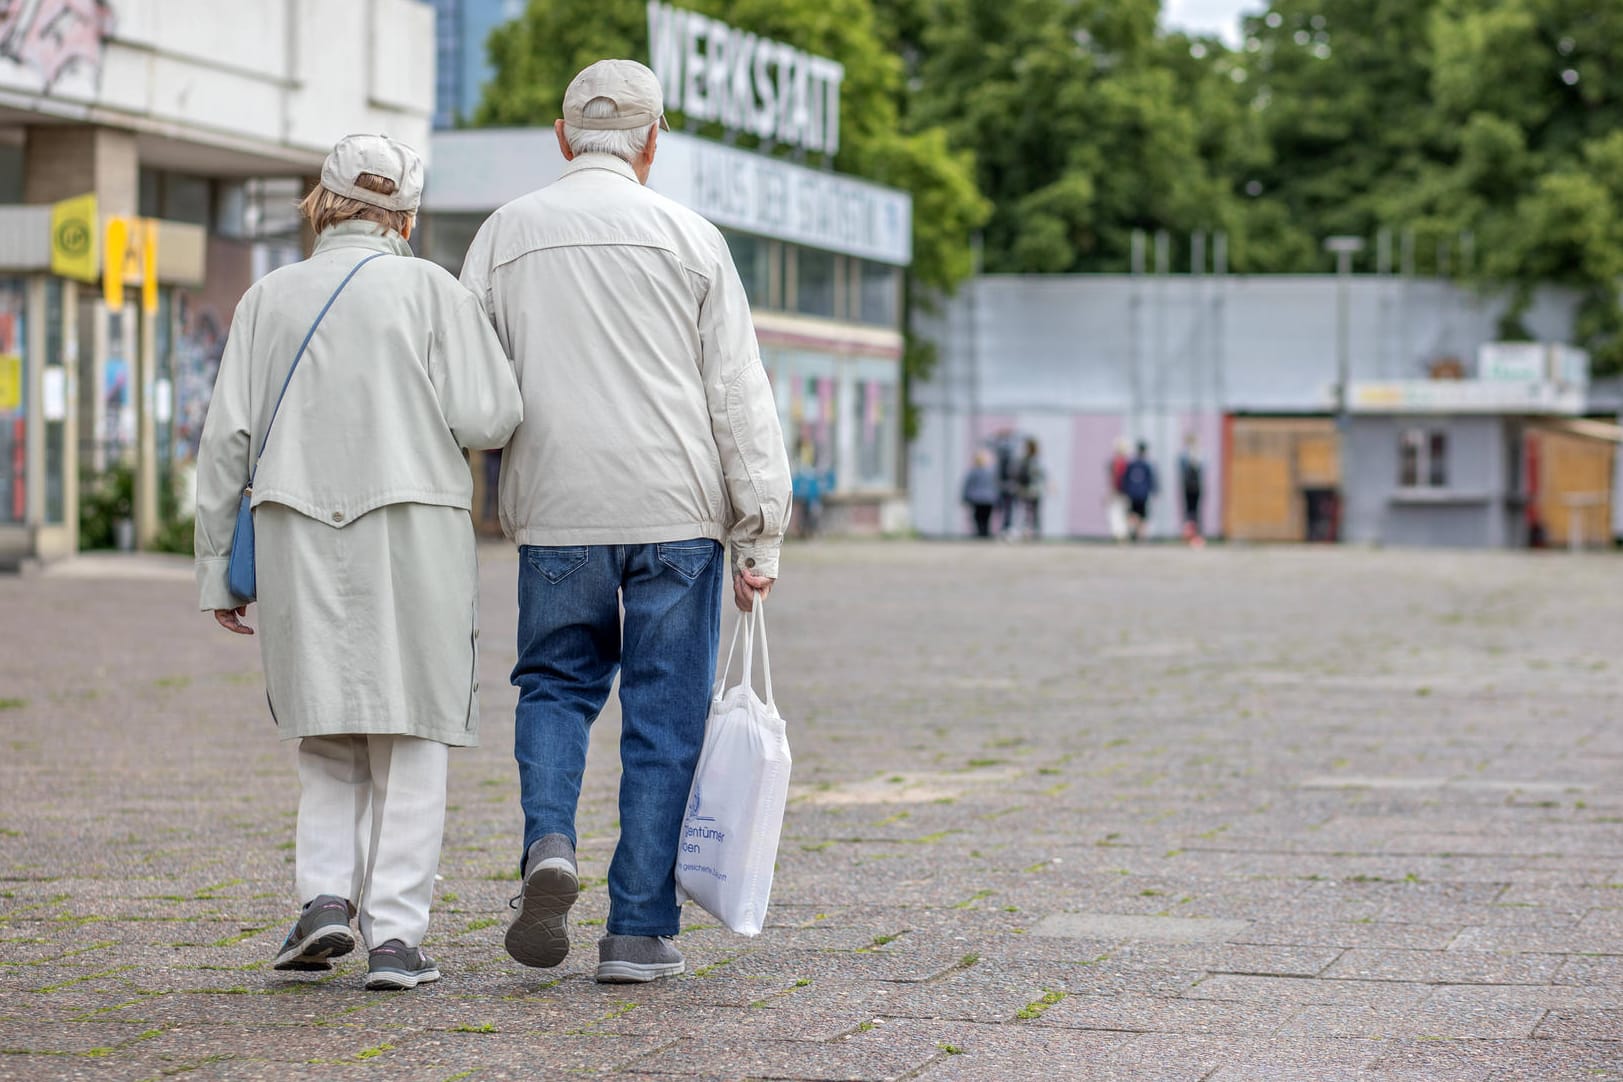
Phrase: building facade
(150,151)
(462,31)
(1247,368)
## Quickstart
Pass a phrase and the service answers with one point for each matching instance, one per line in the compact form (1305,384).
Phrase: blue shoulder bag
(239,571)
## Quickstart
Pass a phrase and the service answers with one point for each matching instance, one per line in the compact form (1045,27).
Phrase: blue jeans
(570,644)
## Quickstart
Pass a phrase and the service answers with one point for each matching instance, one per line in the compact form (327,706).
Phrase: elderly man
(650,437)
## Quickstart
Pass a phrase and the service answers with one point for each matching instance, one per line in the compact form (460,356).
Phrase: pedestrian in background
(1190,476)
(1139,484)
(809,486)
(367,580)
(1008,496)
(1116,500)
(650,437)
(1031,479)
(981,492)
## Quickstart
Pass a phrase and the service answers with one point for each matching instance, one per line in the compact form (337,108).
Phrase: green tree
(1086,125)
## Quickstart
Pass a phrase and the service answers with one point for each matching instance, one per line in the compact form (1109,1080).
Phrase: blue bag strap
(311,333)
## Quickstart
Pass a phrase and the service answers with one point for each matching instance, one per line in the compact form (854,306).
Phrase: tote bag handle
(747,623)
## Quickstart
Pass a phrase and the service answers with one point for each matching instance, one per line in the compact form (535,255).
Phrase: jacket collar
(357,233)
(606,162)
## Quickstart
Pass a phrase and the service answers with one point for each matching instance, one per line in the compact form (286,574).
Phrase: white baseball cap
(382,156)
(632,87)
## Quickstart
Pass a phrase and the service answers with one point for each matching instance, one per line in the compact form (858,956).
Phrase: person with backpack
(1139,484)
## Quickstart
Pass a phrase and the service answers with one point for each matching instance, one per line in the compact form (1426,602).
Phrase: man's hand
(230,619)
(746,586)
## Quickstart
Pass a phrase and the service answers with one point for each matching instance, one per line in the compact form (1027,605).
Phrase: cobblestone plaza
(1059,812)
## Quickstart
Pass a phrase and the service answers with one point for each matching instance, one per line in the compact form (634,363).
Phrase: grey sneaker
(637,959)
(539,934)
(321,933)
(395,966)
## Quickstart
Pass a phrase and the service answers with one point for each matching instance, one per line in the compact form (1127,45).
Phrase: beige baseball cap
(634,89)
(357,154)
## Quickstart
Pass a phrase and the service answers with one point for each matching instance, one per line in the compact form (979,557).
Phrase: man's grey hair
(626,145)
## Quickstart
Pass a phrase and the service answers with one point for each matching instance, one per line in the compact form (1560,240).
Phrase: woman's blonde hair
(325,208)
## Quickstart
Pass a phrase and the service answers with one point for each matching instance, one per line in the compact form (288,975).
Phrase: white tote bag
(735,809)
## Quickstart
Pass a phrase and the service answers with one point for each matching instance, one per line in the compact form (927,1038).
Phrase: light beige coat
(647,413)
(368,588)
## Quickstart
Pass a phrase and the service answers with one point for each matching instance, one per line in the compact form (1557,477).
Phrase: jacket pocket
(555,563)
(687,558)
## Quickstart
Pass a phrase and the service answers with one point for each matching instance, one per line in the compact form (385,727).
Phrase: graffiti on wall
(52,37)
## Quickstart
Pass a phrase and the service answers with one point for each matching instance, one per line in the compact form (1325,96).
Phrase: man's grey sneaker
(637,959)
(539,934)
(321,933)
(394,966)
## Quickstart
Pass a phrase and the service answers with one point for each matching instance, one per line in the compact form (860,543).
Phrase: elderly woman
(376,368)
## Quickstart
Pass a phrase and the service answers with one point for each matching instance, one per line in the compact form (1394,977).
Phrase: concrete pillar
(61,161)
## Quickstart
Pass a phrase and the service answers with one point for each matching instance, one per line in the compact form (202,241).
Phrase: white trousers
(371,817)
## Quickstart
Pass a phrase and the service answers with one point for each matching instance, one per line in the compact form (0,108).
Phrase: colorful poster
(11,383)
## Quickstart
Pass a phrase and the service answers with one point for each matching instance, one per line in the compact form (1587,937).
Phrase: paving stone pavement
(1059,813)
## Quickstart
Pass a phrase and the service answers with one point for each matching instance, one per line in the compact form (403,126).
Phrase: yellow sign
(149,269)
(132,256)
(73,238)
(11,383)
(112,283)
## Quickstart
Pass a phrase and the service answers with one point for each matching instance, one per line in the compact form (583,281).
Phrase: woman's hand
(230,619)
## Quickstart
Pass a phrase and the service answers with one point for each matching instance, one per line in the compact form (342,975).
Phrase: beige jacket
(402,373)
(647,414)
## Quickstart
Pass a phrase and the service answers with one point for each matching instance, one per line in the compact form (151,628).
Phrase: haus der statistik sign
(749,84)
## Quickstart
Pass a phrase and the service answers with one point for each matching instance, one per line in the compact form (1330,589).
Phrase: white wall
(283,78)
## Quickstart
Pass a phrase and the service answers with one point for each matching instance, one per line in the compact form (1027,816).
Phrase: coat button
(338,516)
(749,562)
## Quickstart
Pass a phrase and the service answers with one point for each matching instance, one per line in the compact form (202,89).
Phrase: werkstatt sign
(710,71)
(74,252)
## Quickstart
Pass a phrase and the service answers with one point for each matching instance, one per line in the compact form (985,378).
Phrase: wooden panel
(1272,461)
(1318,459)
(1574,466)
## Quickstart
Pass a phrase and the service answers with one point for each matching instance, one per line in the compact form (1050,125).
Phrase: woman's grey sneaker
(637,959)
(321,933)
(395,966)
(539,934)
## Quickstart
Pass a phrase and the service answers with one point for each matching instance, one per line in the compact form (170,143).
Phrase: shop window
(445,238)
(814,282)
(11,173)
(808,394)
(878,294)
(875,421)
(1423,458)
(55,395)
(176,197)
(751,255)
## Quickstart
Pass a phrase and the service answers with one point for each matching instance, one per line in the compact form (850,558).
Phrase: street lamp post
(1343,248)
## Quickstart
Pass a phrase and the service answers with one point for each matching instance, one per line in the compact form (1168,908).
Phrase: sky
(1221,17)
